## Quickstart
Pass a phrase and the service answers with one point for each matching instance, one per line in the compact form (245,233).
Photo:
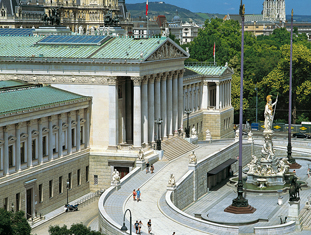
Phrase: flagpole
(214,52)
(147,8)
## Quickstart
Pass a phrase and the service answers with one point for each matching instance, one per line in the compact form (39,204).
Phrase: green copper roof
(33,97)
(129,48)
(114,48)
(10,83)
(207,70)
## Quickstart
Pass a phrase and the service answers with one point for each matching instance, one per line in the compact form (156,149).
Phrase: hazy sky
(301,7)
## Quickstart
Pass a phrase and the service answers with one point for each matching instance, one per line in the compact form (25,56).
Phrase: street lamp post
(187,129)
(67,190)
(159,122)
(256,89)
(124,228)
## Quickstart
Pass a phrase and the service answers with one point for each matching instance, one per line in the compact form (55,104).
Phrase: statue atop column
(269,115)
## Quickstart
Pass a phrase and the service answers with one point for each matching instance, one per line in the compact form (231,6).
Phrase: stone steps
(175,147)
(305,217)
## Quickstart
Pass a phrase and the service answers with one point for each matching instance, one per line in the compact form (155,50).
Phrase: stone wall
(42,174)
(184,193)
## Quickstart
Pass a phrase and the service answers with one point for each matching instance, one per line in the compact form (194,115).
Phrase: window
(11,156)
(73,143)
(44,146)
(51,188)
(64,141)
(78,177)
(17,203)
(23,159)
(60,185)
(33,149)
(40,193)
(5,203)
(95,179)
(87,173)
(81,135)
(69,180)
(54,143)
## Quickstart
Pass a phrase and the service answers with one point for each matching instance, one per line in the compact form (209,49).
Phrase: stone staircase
(305,218)
(175,147)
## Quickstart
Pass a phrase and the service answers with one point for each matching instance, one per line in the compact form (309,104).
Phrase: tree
(13,223)
(76,229)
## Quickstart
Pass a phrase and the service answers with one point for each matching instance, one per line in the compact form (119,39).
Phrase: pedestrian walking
(138,195)
(136,225)
(151,168)
(147,167)
(140,225)
(149,226)
(173,233)
(294,171)
(134,195)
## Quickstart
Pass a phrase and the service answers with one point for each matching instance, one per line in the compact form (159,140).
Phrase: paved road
(87,215)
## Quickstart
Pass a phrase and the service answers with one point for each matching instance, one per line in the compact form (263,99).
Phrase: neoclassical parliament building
(75,108)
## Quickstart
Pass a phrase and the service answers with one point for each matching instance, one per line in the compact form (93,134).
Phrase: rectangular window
(17,203)
(51,188)
(54,143)
(64,141)
(73,143)
(23,159)
(33,149)
(5,203)
(11,156)
(81,135)
(87,173)
(60,185)
(78,177)
(95,179)
(40,193)
(69,180)
(44,146)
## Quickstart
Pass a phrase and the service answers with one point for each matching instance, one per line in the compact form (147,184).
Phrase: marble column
(50,138)
(151,109)
(144,109)
(78,137)
(87,128)
(175,104)
(217,95)
(196,97)
(137,111)
(129,112)
(230,93)
(163,106)
(6,151)
(40,153)
(169,105)
(113,115)
(60,136)
(29,145)
(18,148)
(180,99)
(205,95)
(69,140)
(157,92)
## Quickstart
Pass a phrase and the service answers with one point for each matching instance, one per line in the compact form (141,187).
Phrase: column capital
(164,76)
(145,80)
(49,118)
(136,80)
(112,81)
(217,83)
(77,112)
(181,72)
(175,74)
(69,114)
(157,77)
(169,75)
(59,116)
(28,123)
(5,129)
(39,121)
(205,83)
(17,125)
(151,79)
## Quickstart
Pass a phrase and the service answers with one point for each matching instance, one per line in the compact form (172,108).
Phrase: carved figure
(171,182)
(81,30)
(111,21)
(53,18)
(141,154)
(208,135)
(269,112)
(250,135)
(116,177)
(294,190)
(192,158)
(193,132)
(252,166)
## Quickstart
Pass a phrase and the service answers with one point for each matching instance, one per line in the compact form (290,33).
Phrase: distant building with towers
(274,10)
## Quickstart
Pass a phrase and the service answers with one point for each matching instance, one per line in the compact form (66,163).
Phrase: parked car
(301,135)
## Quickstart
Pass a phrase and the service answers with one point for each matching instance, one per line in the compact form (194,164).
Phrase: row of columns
(155,96)
(193,96)
(31,134)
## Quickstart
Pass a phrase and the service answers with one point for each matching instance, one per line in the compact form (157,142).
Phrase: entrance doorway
(123,171)
(29,203)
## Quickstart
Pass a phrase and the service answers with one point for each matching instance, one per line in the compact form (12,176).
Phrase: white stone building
(189,32)
(274,10)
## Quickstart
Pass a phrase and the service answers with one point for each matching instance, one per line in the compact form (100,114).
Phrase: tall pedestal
(293,213)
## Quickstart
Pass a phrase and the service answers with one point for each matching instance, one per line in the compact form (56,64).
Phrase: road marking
(88,225)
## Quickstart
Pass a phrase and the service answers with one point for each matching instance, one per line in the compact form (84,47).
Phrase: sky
(301,7)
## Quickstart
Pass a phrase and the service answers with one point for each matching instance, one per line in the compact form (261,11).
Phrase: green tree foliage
(76,229)
(13,223)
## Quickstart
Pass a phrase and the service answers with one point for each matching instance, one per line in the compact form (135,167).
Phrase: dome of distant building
(176,18)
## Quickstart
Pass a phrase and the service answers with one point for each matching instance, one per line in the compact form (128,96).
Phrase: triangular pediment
(167,50)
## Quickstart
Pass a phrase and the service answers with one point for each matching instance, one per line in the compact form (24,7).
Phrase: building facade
(274,10)
(44,142)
